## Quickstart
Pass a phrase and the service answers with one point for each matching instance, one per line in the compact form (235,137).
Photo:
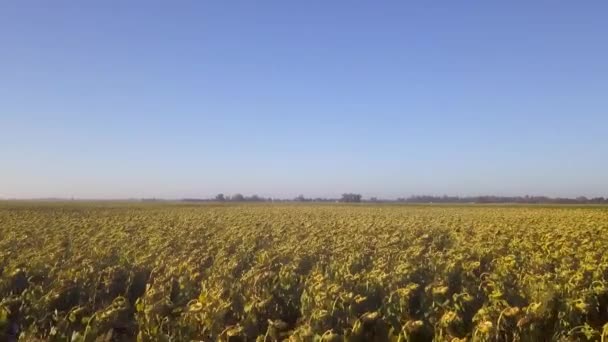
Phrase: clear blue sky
(137,99)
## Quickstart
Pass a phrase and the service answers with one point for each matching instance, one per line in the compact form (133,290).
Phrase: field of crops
(268,272)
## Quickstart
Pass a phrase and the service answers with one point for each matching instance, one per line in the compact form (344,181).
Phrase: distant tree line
(233,198)
(503,199)
(357,198)
(241,198)
(347,197)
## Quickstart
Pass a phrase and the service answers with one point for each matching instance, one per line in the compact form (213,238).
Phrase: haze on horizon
(138,99)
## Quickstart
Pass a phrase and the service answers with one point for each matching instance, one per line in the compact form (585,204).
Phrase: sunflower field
(104,271)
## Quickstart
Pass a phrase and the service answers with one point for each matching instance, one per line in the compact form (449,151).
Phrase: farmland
(303,272)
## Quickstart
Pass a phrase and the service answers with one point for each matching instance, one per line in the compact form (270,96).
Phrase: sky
(130,99)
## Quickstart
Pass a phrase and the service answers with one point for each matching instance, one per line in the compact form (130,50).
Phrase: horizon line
(295,198)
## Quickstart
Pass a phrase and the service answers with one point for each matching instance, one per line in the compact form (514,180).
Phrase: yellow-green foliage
(262,272)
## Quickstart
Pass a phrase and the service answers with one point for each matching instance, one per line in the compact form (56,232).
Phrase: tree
(301,198)
(351,198)
(254,198)
(220,198)
(237,198)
